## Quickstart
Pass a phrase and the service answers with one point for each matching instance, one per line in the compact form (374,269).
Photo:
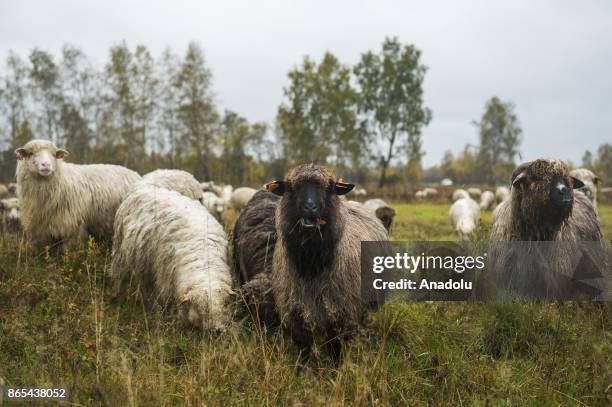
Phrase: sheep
(590,181)
(10,218)
(254,241)
(172,249)
(4,192)
(474,192)
(215,205)
(420,195)
(12,188)
(502,193)
(60,200)
(486,200)
(542,208)
(226,192)
(430,192)
(465,216)
(209,186)
(460,194)
(316,270)
(381,210)
(176,180)
(241,196)
(360,192)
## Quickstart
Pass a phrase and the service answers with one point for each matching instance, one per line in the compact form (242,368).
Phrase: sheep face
(311,195)
(543,190)
(386,215)
(9,211)
(40,157)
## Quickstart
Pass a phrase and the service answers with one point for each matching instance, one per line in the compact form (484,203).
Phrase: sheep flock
(295,244)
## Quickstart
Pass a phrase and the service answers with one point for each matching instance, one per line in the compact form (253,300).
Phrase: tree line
(144,112)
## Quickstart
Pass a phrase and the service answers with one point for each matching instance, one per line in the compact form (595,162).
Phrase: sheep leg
(334,345)
(301,336)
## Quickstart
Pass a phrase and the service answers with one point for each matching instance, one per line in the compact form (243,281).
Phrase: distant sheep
(316,274)
(177,180)
(591,183)
(171,248)
(487,199)
(465,216)
(215,205)
(10,217)
(501,194)
(420,195)
(474,192)
(4,192)
(381,210)
(241,196)
(430,192)
(226,192)
(254,242)
(59,200)
(542,207)
(460,194)
(360,192)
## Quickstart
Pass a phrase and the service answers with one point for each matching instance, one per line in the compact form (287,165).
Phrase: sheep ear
(598,180)
(276,187)
(61,153)
(21,153)
(576,183)
(519,179)
(342,188)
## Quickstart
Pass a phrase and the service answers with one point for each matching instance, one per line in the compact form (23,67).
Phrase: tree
(603,163)
(587,160)
(196,111)
(318,123)
(391,100)
(44,76)
(500,138)
(167,118)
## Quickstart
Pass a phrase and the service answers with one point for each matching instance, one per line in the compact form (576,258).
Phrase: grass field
(59,327)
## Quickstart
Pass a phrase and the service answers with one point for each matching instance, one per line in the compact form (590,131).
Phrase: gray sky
(553,59)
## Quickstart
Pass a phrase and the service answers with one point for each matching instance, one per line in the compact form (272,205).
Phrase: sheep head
(542,192)
(386,215)
(40,157)
(311,193)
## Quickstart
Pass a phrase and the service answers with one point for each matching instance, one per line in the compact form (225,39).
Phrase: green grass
(59,327)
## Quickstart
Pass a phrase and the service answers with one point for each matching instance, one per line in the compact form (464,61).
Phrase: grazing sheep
(316,273)
(465,215)
(10,217)
(60,200)
(446,182)
(215,205)
(460,194)
(175,252)
(381,210)
(226,192)
(12,188)
(474,192)
(420,195)
(241,196)
(4,192)
(542,207)
(501,194)
(486,200)
(591,183)
(430,192)
(177,180)
(254,241)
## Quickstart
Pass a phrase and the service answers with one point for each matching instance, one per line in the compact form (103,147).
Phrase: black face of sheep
(310,198)
(386,215)
(544,191)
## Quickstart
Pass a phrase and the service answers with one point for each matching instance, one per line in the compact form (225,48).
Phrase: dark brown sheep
(316,277)
(254,239)
(542,208)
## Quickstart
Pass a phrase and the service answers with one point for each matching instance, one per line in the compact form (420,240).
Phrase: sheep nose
(45,165)
(561,194)
(310,206)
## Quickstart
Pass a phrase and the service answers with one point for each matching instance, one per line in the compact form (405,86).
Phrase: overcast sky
(553,59)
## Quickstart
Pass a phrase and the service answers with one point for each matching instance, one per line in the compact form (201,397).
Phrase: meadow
(59,327)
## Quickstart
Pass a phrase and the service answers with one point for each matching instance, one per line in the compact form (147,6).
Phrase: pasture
(59,327)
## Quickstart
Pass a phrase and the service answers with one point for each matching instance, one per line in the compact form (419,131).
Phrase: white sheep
(175,251)
(591,183)
(215,205)
(10,218)
(177,180)
(241,196)
(502,193)
(360,192)
(226,192)
(419,195)
(460,194)
(486,200)
(4,192)
(465,216)
(430,191)
(61,200)
(474,192)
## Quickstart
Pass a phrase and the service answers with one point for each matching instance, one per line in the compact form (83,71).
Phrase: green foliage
(391,100)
